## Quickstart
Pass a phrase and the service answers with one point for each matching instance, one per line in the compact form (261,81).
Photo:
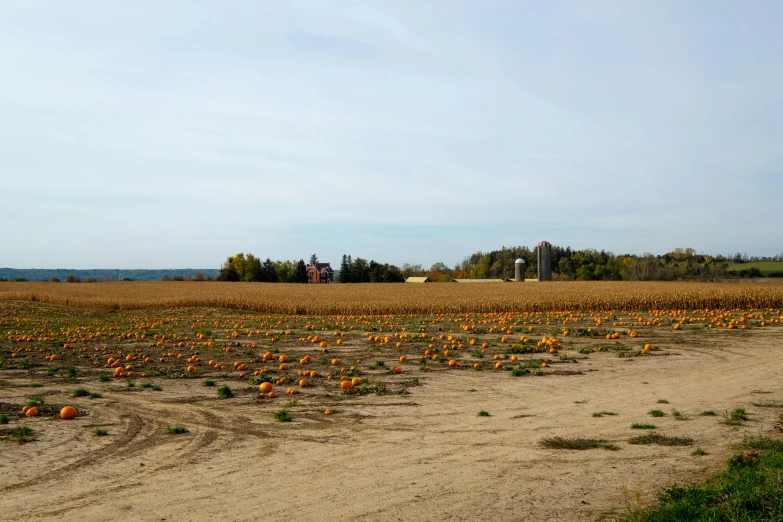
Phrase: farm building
(320,273)
(478,280)
(418,280)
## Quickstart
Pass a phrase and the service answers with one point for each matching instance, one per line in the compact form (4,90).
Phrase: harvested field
(407,438)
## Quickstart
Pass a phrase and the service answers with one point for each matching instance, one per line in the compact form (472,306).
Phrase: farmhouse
(320,273)
(418,280)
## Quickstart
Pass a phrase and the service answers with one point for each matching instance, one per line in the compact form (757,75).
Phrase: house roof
(418,280)
(478,281)
(320,266)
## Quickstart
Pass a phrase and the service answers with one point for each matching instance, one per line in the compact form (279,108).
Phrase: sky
(164,134)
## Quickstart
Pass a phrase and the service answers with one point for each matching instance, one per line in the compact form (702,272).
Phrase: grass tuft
(224,392)
(81,392)
(642,426)
(735,417)
(603,413)
(661,440)
(99,432)
(177,430)
(283,416)
(768,404)
(3,418)
(483,413)
(708,413)
(576,443)
(21,434)
(104,378)
(656,413)
(208,383)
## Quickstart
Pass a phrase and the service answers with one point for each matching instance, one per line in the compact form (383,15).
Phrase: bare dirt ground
(420,455)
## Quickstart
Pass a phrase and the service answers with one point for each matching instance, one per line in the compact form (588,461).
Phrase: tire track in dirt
(95,457)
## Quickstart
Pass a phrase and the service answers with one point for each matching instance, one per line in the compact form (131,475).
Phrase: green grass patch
(176,430)
(766,267)
(3,418)
(663,401)
(698,452)
(225,392)
(366,388)
(656,413)
(735,417)
(104,378)
(95,395)
(35,385)
(576,443)
(4,383)
(80,392)
(708,413)
(20,435)
(604,413)
(483,413)
(661,440)
(34,402)
(748,489)
(283,416)
(208,383)
(642,426)
(99,432)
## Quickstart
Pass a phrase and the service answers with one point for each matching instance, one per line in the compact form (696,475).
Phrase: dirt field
(416,451)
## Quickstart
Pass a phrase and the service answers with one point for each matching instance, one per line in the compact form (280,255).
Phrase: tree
(345,270)
(360,271)
(228,271)
(285,271)
(268,273)
(313,259)
(70,278)
(252,270)
(300,272)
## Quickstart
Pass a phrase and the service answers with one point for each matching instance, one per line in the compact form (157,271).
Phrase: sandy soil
(425,455)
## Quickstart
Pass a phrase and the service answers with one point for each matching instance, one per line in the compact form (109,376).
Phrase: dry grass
(400,298)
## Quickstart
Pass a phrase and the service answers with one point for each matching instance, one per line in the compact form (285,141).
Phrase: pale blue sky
(154,134)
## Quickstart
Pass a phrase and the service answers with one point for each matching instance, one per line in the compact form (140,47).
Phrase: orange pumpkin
(32,412)
(68,413)
(265,387)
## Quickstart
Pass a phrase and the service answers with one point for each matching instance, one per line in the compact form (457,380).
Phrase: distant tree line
(594,265)
(361,271)
(249,268)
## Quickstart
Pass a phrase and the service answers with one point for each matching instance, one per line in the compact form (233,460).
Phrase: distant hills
(42,274)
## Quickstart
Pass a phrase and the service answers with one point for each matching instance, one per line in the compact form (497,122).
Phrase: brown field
(402,298)
(398,446)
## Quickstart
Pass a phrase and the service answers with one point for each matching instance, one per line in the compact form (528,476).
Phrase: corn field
(401,298)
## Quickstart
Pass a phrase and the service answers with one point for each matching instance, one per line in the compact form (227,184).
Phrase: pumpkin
(329,411)
(265,387)
(68,413)
(397,369)
(453,363)
(32,412)
(303,383)
(346,385)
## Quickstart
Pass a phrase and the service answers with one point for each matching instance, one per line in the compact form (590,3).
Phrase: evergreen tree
(268,273)
(300,272)
(345,270)
(313,259)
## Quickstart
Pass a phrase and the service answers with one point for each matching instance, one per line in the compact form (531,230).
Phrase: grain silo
(519,270)
(544,261)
